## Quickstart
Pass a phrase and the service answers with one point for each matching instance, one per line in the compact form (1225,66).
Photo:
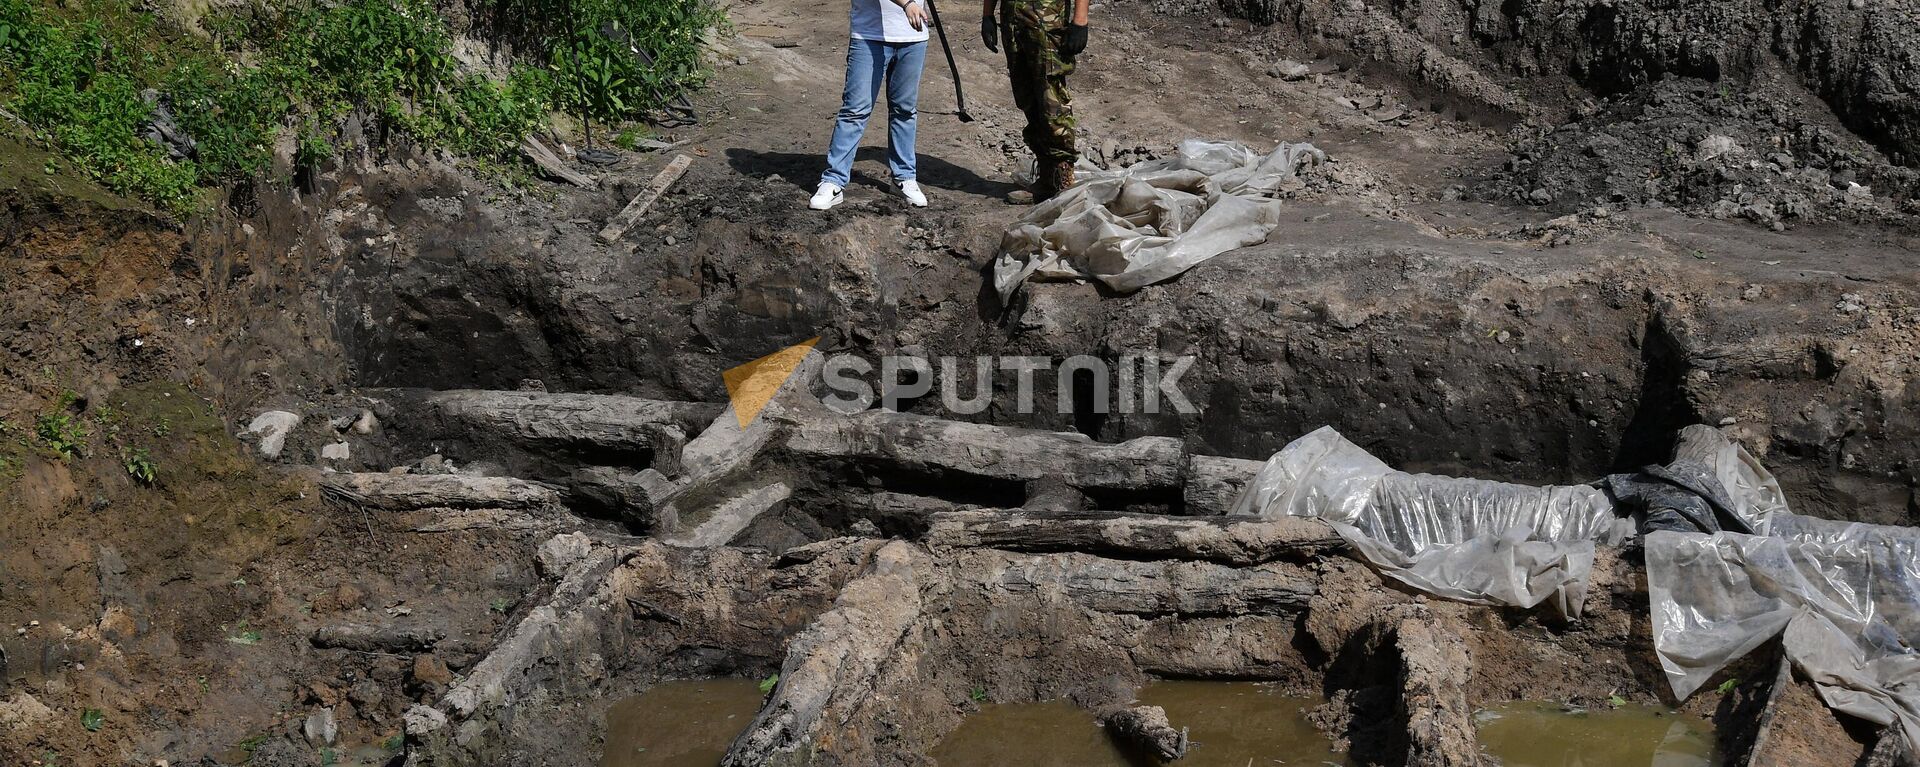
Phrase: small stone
(320,728)
(421,720)
(338,451)
(561,551)
(366,423)
(1715,145)
(429,672)
(1751,293)
(272,428)
(671,240)
(1729,421)
(1850,303)
(1540,196)
(1288,70)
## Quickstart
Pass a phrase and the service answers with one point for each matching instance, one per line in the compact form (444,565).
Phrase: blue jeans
(870,62)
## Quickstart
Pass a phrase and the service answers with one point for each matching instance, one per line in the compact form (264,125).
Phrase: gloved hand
(990,33)
(1074,41)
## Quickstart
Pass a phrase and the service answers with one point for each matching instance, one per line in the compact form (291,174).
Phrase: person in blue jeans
(888,45)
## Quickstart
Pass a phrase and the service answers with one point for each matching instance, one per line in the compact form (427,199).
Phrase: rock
(430,673)
(1850,303)
(271,429)
(320,728)
(366,423)
(1715,145)
(23,712)
(422,720)
(338,451)
(1540,196)
(1289,70)
(561,551)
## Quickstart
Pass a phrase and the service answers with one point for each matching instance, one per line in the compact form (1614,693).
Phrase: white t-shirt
(882,20)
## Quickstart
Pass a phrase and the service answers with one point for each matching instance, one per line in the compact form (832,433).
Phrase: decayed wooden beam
(925,443)
(411,492)
(834,666)
(1121,587)
(1227,540)
(550,164)
(1147,728)
(535,418)
(1214,483)
(631,214)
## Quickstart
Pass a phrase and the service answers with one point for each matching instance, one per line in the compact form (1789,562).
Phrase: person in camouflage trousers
(1042,38)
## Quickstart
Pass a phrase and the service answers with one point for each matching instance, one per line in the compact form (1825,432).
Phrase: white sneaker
(828,195)
(911,189)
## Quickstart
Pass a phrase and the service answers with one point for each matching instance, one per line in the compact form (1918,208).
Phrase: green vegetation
(978,694)
(92,76)
(139,464)
(93,720)
(767,684)
(61,431)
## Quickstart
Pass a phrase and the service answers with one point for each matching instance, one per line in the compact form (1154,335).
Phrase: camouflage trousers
(1031,31)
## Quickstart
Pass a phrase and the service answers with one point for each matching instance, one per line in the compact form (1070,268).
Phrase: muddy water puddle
(686,723)
(1535,734)
(1228,724)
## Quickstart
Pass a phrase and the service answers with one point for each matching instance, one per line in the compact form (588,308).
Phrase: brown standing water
(1535,734)
(1227,723)
(685,723)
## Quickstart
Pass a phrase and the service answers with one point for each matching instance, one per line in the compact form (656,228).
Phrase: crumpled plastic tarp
(1844,599)
(1464,539)
(1136,226)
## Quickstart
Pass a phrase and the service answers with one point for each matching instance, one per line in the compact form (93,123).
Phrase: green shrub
(75,69)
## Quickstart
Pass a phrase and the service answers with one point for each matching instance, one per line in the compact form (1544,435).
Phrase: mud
(681,723)
(1554,735)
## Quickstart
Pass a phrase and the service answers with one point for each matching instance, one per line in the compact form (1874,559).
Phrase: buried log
(1214,483)
(596,422)
(933,445)
(833,667)
(1227,540)
(1121,587)
(1147,728)
(414,492)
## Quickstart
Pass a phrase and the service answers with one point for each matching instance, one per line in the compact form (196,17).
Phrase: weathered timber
(1147,728)
(412,492)
(1214,483)
(631,214)
(551,166)
(833,666)
(923,443)
(1228,540)
(1123,587)
(597,421)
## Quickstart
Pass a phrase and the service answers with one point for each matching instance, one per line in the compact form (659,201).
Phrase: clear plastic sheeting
(1844,598)
(1464,539)
(1136,226)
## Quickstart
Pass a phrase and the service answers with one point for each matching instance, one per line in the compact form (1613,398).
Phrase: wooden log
(835,665)
(631,214)
(1122,587)
(1228,540)
(636,498)
(551,166)
(728,518)
(1214,483)
(377,637)
(1147,728)
(542,419)
(923,443)
(413,492)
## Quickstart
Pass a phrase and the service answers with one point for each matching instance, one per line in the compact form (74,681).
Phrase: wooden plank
(631,214)
(550,164)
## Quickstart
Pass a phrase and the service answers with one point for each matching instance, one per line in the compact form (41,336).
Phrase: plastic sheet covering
(1844,598)
(1756,495)
(1137,226)
(1464,539)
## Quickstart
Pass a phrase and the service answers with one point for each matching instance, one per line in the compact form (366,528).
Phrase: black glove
(1074,41)
(990,33)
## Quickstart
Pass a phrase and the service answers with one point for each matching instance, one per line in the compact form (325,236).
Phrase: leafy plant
(246,636)
(978,694)
(500,605)
(61,432)
(93,719)
(1727,686)
(140,466)
(767,684)
(1616,701)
